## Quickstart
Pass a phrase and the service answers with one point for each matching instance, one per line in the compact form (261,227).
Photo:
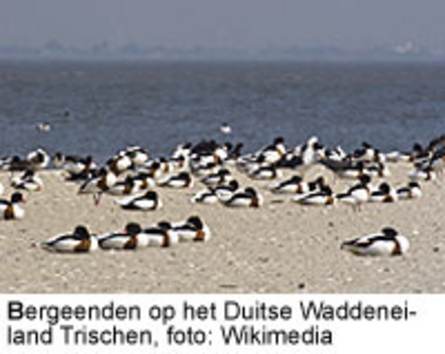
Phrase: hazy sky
(238,23)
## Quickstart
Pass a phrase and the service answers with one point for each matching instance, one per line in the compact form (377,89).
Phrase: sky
(348,24)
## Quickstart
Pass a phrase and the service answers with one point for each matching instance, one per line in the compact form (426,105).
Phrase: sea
(100,107)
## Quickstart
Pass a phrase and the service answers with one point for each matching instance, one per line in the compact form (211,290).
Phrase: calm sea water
(158,105)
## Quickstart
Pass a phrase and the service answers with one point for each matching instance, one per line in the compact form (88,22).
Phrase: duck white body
(265,173)
(384,194)
(221,177)
(147,201)
(10,212)
(79,241)
(205,197)
(161,235)
(193,229)
(315,198)
(181,180)
(39,159)
(247,198)
(397,156)
(225,192)
(138,155)
(386,243)
(126,187)
(126,240)
(225,129)
(422,175)
(411,191)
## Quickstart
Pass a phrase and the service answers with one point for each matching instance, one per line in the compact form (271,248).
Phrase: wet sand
(279,248)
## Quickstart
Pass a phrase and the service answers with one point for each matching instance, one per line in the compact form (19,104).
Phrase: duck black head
(385,188)
(318,146)
(58,156)
(365,179)
(417,147)
(81,232)
(326,190)
(250,191)
(278,140)
(234,185)
(196,222)
(389,232)
(320,181)
(296,179)
(366,145)
(28,174)
(164,225)
(151,195)
(413,185)
(133,228)
(228,146)
(155,165)
(17,197)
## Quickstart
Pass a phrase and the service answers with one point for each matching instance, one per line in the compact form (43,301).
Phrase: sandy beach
(279,248)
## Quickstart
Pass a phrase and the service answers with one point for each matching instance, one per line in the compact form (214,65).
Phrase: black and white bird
(411,191)
(386,243)
(181,180)
(126,240)
(192,229)
(225,128)
(12,209)
(247,198)
(384,194)
(79,241)
(148,201)
(322,197)
(160,235)
(28,181)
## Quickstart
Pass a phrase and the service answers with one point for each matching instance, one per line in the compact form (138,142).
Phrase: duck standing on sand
(99,184)
(358,194)
(11,209)
(387,243)
(148,201)
(79,241)
(126,240)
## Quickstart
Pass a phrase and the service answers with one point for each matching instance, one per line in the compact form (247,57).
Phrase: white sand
(281,247)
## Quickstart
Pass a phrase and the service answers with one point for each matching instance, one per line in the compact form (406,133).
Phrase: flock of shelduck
(132,176)
(134,236)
